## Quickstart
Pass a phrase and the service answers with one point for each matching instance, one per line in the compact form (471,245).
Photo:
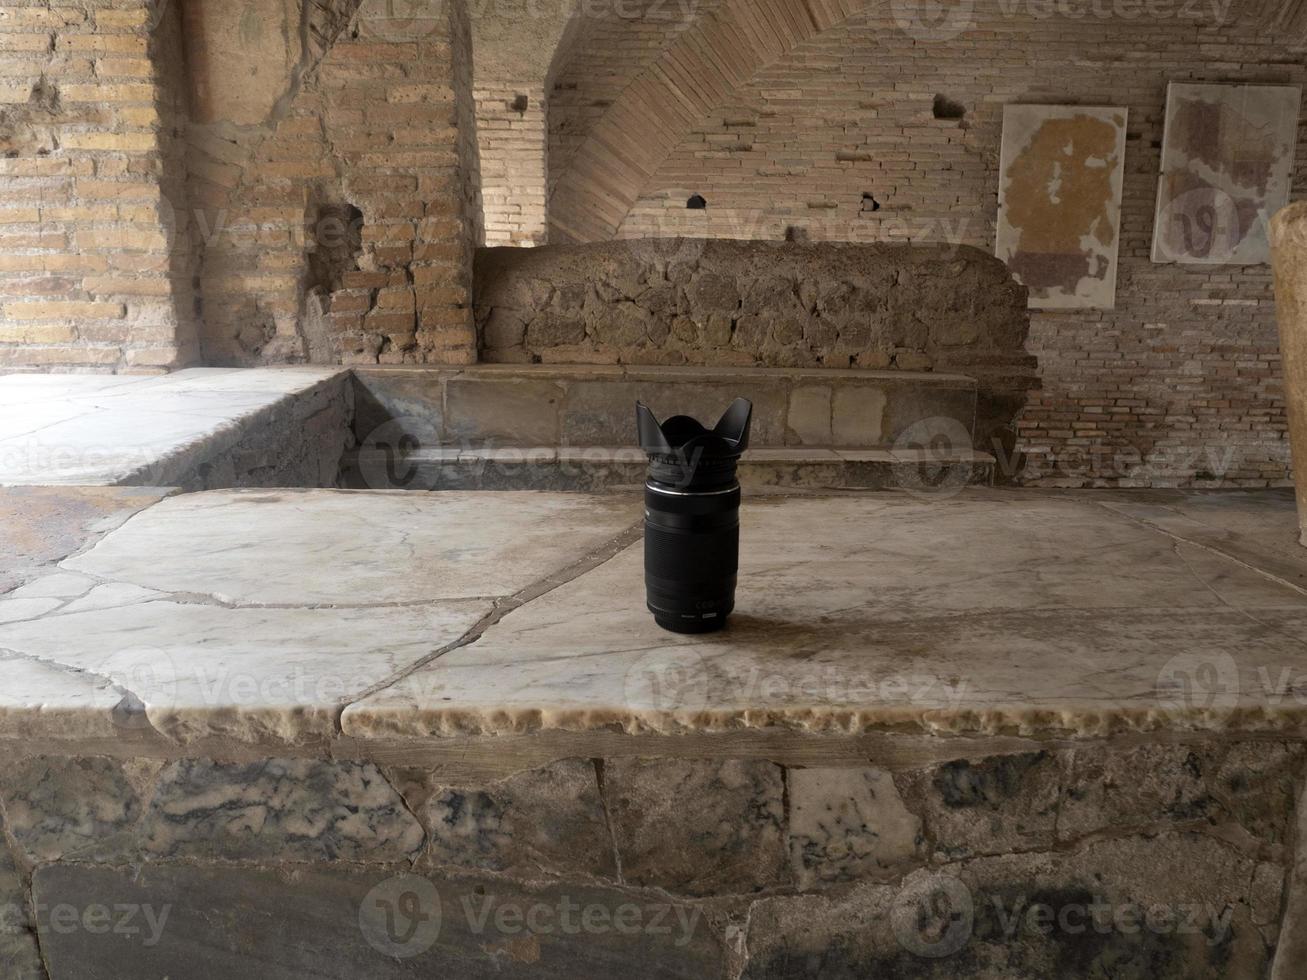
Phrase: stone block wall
(879,129)
(1162,860)
(95,269)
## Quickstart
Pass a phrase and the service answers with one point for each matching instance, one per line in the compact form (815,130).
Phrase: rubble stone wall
(1160,860)
(776,304)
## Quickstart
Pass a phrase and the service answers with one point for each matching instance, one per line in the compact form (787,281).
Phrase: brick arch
(696,73)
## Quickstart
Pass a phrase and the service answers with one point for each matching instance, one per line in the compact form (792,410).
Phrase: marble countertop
(100,430)
(294,615)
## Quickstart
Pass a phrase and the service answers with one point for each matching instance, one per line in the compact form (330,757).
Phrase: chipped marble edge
(363,721)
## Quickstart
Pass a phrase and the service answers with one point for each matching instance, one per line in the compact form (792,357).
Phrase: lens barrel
(692,518)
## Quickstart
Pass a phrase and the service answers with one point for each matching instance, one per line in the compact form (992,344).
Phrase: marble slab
(257,615)
(987,613)
(308,547)
(40,525)
(92,430)
(299,616)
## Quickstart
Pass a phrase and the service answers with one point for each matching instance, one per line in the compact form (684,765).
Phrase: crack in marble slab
(1212,549)
(506,605)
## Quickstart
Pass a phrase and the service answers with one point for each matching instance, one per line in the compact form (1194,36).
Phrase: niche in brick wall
(27,128)
(945,108)
(337,243)
(696,203)
(335,246)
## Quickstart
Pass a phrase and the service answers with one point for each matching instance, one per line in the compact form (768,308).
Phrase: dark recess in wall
(946,108)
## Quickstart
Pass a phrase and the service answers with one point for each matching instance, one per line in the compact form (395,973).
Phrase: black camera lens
(692,516)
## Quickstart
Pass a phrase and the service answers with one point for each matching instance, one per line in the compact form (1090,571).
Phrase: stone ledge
(857,615)
(489,406)
(589,468)
(196,429)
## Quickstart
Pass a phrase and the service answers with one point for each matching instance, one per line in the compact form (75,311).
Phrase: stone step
(597,468)
(583,405)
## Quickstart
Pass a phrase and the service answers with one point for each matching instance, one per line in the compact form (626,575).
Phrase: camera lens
(692,517)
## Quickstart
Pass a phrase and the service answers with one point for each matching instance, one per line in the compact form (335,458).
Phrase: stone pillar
(1289,251)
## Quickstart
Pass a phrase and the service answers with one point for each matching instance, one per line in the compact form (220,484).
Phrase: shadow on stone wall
(761,303)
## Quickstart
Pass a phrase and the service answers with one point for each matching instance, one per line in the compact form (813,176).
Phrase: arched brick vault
(695,74)
(699,70)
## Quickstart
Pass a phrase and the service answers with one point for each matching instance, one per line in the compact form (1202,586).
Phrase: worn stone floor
(118,429)
(294,615)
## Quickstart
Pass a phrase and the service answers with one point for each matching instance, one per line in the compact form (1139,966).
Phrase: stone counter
(290,616)
(198,429)
(322,733)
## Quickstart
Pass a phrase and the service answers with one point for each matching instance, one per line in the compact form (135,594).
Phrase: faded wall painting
(1059,202)
(1227,153)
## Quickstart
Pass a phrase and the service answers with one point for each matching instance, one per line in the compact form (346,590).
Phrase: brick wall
(511,133)
(339,226)
(1178,384)
(91,189)
(612,46)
